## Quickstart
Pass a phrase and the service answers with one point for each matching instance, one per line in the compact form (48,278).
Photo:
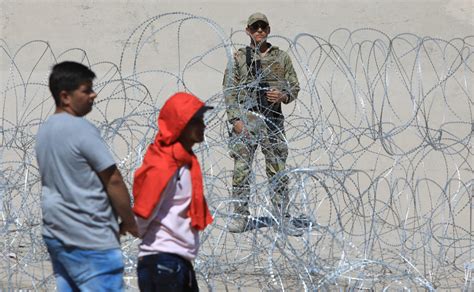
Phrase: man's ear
(268,30)
(64,98)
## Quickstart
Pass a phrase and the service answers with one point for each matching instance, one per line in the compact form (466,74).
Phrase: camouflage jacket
(240,84)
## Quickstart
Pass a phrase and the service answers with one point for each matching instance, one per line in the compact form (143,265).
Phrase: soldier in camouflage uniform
(259,80)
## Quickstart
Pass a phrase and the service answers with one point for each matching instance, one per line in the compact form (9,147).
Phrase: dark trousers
(166,272)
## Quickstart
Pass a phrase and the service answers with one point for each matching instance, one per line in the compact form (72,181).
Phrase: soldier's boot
(286,222)
(240,223)
(289,228)
(240,220)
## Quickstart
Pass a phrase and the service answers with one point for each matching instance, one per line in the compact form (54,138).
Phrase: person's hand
(131,228)
(239,127)
(275,96)
(119,198)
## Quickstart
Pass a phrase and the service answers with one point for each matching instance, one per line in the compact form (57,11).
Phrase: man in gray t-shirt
(82,190)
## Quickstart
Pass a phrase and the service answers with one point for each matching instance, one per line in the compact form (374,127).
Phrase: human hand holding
(275,96)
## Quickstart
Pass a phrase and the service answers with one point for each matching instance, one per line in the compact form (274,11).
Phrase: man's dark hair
(68,76)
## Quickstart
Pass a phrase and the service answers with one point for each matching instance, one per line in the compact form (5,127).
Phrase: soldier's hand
(275,96)
(239,126)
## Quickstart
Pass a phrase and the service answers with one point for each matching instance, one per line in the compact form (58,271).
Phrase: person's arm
(120,199)
(292,79)
(231,89)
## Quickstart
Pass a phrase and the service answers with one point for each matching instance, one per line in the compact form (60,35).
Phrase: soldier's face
(258,31)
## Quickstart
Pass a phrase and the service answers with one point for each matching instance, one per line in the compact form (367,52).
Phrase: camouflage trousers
(275,150)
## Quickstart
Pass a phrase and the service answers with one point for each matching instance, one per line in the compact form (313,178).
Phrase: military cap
(257,16)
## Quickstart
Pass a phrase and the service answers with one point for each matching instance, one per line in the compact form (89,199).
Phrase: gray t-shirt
(76,208)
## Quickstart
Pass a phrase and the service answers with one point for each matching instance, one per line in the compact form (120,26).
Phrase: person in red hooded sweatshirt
(169,204)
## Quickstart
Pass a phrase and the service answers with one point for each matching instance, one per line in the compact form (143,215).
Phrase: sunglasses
(259,24)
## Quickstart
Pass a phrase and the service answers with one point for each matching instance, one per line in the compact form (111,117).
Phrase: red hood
(164,157)
(175,114)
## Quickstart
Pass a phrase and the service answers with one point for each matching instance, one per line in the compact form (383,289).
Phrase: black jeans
(166,272)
